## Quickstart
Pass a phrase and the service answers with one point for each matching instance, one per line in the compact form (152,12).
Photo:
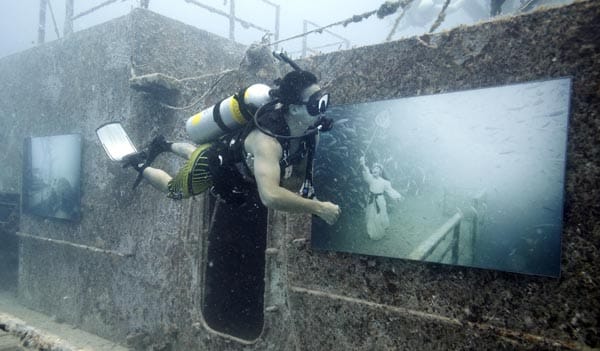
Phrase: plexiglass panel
(472,178)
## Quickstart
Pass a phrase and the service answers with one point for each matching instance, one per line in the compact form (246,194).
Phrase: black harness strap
(287,159)
(234,174)
(306,149)
(308,190)
(244,108)
(218,118)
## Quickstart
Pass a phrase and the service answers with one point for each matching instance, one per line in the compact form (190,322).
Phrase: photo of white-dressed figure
(471,178)
(376,214)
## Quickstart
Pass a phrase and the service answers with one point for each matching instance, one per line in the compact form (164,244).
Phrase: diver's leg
(183,149)
(158,178)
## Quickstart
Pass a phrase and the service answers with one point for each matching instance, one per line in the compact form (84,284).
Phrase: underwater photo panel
(471,178)
(52,176)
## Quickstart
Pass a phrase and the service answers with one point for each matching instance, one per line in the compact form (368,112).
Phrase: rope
(198,100)
(397,22)
(386,9)
(440,17)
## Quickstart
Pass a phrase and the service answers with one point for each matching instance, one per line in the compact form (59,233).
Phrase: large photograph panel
(51,176)
(472,178)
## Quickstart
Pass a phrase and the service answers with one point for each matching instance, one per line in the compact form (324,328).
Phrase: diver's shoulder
(256,138)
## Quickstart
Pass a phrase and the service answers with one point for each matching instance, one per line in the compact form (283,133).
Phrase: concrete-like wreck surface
(132,270)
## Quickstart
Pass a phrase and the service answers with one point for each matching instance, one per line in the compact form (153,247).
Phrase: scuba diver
(376,211)
(266,161)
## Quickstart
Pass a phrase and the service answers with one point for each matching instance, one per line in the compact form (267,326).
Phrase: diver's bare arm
(267,152)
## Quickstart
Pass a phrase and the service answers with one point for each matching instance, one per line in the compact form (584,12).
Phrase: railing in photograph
(9,203)
(427,247)
(478,215)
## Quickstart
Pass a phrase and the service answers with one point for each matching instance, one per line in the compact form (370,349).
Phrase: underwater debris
(425,40)
(155,83)
(387,9)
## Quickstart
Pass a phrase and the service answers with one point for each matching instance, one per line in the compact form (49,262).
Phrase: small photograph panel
(52,176)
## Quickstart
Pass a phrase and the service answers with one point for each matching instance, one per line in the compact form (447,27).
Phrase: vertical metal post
(475,225)
(455,241)
(42,24)
(68,18)
(277,12)
(304,30)
(232,19)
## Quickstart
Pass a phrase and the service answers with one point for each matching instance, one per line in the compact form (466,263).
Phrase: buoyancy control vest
(234,182)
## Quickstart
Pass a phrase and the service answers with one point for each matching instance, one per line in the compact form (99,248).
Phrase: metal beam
(42,22)
(87,12)
(225,14)
(305,33)
(68,29)
(232,19)
(277,16)
(53,18)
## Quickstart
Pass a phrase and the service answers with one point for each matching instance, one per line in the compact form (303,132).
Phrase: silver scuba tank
(228,114)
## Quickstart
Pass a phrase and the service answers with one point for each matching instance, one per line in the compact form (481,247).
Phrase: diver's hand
(329,212)
(362,160)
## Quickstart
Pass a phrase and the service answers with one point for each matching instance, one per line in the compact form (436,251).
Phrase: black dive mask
(317,103)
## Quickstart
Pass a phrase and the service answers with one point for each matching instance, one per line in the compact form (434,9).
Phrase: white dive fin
(115,141)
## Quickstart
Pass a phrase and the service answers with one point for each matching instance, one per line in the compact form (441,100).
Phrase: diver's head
(313,104)
(299,92)
(302,101)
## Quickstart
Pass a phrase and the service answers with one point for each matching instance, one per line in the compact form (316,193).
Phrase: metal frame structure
(70,17)
(233,18)
(44,5)
(304,40)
